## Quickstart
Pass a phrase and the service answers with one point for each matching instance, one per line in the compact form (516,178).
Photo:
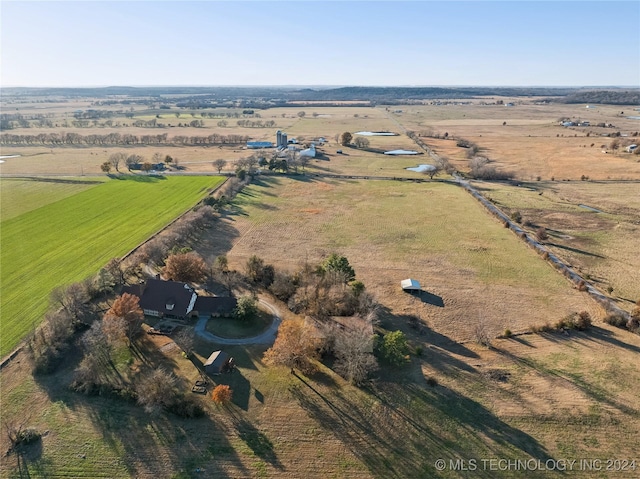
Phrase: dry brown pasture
(602,245)
(474,270)
(532,143)
(532,396)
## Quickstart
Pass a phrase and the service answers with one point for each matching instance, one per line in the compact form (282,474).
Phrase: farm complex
(250,283)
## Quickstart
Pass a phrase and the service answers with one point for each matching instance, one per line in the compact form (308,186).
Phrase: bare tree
(94,341)
(156,390)
(252,163)
(114,267)
(74,300)
(116,159)
(88,374)
(156,250)
(219,164)
(361,142)
(17,432)
(133,160)
(433,171)
(115,330)
(354,350)
(186,340)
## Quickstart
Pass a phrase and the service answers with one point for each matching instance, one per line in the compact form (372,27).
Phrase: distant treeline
(264,97)
(117,139)
(274,93)
(609,97)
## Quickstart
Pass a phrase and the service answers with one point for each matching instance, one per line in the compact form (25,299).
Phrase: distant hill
(273,96)
(610,97)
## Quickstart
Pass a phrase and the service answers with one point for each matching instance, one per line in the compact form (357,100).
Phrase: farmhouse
(219,362)
(164,299)
(175,300)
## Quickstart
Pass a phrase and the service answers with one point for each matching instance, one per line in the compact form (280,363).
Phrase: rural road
(266,337)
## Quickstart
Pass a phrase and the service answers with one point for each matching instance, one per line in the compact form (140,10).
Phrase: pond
(2,158)
(401,152)
(422,168)
(376,133)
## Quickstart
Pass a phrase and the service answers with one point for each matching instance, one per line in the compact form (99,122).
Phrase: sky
(331,43)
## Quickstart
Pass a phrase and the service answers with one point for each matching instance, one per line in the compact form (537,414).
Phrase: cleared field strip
(70,239)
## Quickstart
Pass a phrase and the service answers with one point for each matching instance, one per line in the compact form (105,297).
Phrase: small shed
(410,284)
(219,362)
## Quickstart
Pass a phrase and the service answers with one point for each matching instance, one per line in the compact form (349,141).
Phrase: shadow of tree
(400,429)
(240,386)
(257,441)
(588,385)
(29,457)
(145,444)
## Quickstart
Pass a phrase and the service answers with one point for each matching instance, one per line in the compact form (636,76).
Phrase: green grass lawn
(68,240)
(233,328)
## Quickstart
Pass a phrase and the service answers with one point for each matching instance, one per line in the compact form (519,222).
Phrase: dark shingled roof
(156,295)
(215,305)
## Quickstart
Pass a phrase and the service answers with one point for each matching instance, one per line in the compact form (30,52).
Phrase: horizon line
(315,86)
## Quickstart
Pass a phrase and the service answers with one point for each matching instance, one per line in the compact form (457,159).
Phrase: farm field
(21,195)
(69,239)
(475,271)
(532,143)
(602,244)
(547,396)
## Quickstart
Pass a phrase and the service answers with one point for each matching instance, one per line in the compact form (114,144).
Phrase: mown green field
(20,195)
(69,239)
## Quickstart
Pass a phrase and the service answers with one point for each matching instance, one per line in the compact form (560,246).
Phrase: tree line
(117,139)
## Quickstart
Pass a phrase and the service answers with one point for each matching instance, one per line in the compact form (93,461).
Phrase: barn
(219,362)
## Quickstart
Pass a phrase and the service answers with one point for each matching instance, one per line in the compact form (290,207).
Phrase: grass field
(69,239)
(18,195)
(602,245)
(470,265)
